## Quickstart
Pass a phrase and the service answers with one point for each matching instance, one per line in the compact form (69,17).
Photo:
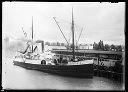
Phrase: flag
(25,34)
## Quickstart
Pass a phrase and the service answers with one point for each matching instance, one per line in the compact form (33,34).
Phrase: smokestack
(41,45)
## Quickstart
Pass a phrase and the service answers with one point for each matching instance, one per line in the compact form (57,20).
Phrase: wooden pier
(101,69)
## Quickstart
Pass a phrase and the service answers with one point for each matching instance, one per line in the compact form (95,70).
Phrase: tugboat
(49,62)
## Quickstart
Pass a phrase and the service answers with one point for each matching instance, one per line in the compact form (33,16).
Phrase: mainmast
(32,34)
(73,47)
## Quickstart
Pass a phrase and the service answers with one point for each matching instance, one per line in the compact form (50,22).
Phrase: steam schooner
(49,62)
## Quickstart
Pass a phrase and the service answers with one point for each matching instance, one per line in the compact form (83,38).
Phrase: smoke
(12,45)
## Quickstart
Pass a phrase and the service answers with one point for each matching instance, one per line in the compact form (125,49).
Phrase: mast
(32,34)
(73,47)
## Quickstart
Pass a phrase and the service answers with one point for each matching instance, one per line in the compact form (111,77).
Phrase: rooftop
(91,51)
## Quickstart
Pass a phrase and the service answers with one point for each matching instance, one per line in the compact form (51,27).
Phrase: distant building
(47,43)
(62,44)
(53,44)
(85,46)
(46,47)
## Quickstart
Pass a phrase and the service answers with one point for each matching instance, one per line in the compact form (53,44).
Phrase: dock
(114,72)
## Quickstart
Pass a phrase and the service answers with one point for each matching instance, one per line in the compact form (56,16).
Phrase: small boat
(49,62)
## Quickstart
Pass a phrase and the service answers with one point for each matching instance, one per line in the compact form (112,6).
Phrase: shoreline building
(50,48)
(85,46)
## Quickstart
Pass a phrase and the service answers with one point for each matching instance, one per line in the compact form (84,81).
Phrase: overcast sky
(100,21)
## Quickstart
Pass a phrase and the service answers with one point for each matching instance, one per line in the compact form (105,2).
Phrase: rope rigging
(25,34)
(76,30)
(61,30)
(76,27)
(79,36)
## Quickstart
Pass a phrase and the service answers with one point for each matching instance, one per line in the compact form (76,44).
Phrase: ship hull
(81,71)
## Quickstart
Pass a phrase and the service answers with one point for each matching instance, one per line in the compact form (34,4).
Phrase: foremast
(32,34)
(73,47)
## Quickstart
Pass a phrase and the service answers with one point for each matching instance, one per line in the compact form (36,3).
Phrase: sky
(100,21)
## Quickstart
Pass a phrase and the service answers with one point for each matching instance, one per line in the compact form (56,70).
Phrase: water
(15,77)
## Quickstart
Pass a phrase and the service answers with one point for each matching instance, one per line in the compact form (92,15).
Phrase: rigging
(61,30)
(79,36)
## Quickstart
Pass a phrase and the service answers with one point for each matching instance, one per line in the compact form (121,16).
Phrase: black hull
(81,71)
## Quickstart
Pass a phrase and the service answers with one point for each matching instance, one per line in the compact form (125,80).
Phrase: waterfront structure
(47,47)
(85,46)
(92,53)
